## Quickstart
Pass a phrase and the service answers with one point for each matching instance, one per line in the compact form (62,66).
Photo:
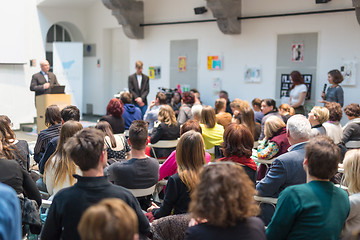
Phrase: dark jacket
(351,134)
(70,203)
(130,114)
(134,87)
(164,132)
(38,80)
(266,116)
(117,123)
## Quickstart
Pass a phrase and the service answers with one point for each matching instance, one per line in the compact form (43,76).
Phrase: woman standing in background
(334,93)
(298,92)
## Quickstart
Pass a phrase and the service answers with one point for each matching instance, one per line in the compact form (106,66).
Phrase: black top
(12,174)
(134,89)
(70,203)
(228,108)
(351,132)
(50,149)
(135,173)
(164,132)
(250,228)
(176,197)
(21,153)
(117,124)
(43,139)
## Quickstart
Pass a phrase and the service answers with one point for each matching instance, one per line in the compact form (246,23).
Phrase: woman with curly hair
(114,111)
(334,93)
(188,100)
(166,128)
(351,131)
(351,179)
(190,158)
(237,147)
(223,206)
(59,169)
(333,126)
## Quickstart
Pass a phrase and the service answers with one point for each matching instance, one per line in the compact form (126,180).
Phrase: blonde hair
(190,158)
(64,166)
(138,64)
(167,115)
(272,125)
(111,219)
(321,114)
(285,107)
(352,170)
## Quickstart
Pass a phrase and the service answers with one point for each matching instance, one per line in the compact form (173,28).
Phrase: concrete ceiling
(66,3)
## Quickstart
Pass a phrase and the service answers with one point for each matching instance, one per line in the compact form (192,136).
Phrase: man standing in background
(43,80)
(139,87)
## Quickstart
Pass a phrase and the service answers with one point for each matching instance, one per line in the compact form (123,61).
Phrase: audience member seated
(317,209)
(287,169)
(333,126)
(197,96)
(166,128)
(196,112)
(114,111)
(88,151)
(224,94)
(185,114)
(169,167)
(67,113)
(19,148)
(59,170)
(151,114)
(284,110)
(351,131)
(256,105)
(117,146)
(224,214)
(13,175)
(53,122)
(10,212)
(222,117)
(352,181)
(274,144)
(268,108)
(131,113)
(238,106)
(176,103)
(317,116)
(111,219)
(237,147)
(140,171)
(190,158)
(211,131)
(247,117)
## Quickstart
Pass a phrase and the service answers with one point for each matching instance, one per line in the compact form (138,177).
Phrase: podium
(45,100)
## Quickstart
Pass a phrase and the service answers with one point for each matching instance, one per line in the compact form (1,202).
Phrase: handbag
(30,214)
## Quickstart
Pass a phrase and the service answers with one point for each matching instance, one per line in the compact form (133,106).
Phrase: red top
(242,160)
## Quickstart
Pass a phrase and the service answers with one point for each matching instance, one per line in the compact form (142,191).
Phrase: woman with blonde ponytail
(59,169)
(190,158)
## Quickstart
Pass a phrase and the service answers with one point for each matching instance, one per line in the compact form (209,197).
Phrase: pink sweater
(169,167)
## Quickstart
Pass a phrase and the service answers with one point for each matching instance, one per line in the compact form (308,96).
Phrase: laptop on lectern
(57,89)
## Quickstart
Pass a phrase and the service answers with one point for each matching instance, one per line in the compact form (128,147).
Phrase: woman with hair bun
(222,205)
(334,93)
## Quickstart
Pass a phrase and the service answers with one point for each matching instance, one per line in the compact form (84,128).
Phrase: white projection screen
(12,41)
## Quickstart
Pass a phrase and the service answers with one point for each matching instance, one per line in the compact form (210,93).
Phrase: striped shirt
(43,139)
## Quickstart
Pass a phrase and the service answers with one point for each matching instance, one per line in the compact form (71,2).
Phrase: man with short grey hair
(287,169)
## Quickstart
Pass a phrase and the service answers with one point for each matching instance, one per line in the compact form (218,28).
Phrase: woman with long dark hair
(298,92)
(190,158)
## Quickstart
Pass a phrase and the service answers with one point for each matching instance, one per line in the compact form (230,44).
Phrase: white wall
(339,35)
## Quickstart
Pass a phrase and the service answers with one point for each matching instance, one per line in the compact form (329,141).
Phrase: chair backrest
(143,192)
(165,144)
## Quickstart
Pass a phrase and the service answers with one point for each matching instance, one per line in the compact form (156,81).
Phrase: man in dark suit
(287,169)
(139,87)
(43,80)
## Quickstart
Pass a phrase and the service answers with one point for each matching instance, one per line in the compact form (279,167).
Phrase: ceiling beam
(226,13)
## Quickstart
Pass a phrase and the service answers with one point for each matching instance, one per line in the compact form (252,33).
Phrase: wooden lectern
(45,100)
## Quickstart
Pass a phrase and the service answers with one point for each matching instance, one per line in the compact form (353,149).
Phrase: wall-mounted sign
(214,63)
(182,64)
(154,72)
